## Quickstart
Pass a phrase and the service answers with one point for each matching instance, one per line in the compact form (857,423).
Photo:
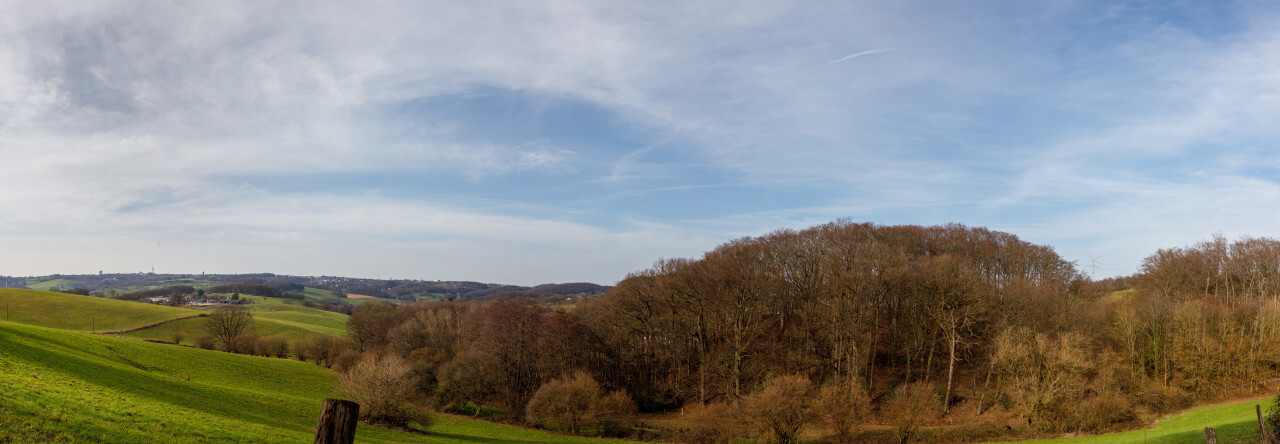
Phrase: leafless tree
(225,323)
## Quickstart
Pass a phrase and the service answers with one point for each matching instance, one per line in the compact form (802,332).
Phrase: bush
(568,402)
(841,406)
(344,358)
(272,346)
(910,407)
(614,411)
(206,342)
(243,343)
(777,412)
(320,349)
(178,337)
(1164,400)
(711,423)
(381,384)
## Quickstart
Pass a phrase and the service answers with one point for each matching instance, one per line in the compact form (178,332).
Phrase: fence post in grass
(1262,428)
(337,422)
(1210,436)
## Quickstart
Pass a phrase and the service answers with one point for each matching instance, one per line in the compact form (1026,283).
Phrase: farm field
(322,295)
(81,313)
(271,317)
(49,284)
(66,386)
(285,312)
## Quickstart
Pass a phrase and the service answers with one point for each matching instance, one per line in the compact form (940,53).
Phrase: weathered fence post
(1262,428)
(337,422)
(1210,436)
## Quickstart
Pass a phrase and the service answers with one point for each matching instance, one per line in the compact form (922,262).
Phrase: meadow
(272,317)
(67,386)
(81,313)
(1234,422)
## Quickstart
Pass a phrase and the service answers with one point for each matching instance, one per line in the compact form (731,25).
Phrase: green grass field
(322,295)
(66,386)
(288,311)
(59,283)
(81,313)
(271,317)
(1234,423)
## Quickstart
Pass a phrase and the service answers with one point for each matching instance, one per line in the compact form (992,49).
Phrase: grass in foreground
(81,313)
(1234,423)
(66,386)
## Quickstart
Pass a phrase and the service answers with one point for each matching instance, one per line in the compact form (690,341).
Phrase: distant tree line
(12,282)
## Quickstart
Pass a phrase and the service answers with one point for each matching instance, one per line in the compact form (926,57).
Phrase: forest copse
(900,318)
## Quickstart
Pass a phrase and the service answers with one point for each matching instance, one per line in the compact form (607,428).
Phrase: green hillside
(271,317)
(1235,422)
(59,283)
(65,386)
(290,312)
(71,386)
(193,327)
(81,313)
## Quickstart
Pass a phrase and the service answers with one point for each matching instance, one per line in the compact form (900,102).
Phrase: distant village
(200,300)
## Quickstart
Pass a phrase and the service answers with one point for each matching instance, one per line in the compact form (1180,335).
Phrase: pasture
(66,386)
(81,313)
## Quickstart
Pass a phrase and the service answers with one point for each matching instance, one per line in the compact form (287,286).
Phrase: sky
(527,142)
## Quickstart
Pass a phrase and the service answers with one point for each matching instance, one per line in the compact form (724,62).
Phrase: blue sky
(532,142)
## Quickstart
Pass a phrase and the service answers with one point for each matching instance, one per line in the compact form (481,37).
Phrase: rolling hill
(81,313)
(67,386)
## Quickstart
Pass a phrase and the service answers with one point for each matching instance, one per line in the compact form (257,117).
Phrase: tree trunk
(951,371)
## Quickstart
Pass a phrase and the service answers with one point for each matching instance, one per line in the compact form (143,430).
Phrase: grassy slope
(1235,422)
(83,387)
(62,385)
(61,283)
(291,312)
(272,317)
(76,312)
(322,295)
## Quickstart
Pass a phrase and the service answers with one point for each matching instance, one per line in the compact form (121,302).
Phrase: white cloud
(122,121)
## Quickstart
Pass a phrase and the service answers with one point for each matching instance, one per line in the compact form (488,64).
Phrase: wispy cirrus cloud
(610,131)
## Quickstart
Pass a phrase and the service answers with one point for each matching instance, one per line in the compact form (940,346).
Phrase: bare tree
(228,322)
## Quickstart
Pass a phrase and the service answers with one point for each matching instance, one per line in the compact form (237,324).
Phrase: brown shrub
(316,349)
(778,412)
(711,423)
(178,337)
(568,402)
(381,384)
(344,358)
(616,405)
(1161,400)
(243,343)
(911,405)
(614,411)
(841,406)
(206,342)
(272,346)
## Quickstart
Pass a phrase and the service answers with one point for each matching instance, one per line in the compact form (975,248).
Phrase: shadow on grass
(144,384)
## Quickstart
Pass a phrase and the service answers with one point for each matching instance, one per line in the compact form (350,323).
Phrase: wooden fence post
(337,422)
(1262,428)
(1210,436)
